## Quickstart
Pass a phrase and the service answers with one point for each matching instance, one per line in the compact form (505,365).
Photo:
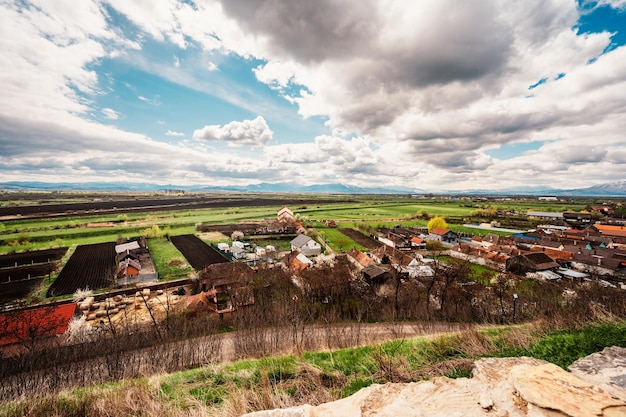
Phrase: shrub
(436,223)
(434,245)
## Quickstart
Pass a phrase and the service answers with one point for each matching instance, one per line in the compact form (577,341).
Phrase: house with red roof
(26,326)
(418,243)
(443,234)
(610,230)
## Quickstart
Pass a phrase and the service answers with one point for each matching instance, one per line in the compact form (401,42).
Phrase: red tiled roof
(611,230)
(360,257)
(417,240)
(440,231)
(21,325)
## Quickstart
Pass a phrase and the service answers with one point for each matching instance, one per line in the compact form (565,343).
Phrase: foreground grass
(316,377)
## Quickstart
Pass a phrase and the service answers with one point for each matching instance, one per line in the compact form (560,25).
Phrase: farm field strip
(360,238)
(12,291)
(198,254)
(90,266)
(27,272)
(163,252)
(33,257)
(144,205)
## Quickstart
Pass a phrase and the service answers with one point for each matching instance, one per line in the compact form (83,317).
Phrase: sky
(431,95)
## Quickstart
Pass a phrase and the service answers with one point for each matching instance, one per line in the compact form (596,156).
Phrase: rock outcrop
(499,387)
(607,369)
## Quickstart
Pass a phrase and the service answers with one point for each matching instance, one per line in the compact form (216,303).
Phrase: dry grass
(234,389)
(134,398)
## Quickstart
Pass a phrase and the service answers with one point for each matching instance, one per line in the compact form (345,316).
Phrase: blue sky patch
(598,19)
(512,150)
(538,83)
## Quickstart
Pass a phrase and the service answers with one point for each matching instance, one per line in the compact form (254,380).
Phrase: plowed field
(198,254)
(34,257)
(91,266)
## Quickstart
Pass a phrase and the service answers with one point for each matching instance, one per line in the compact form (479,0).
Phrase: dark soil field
(27,272)
(360,238)
(227,229)
(198,254)
(113,206)
(13,291)
(29,258)
(91,266)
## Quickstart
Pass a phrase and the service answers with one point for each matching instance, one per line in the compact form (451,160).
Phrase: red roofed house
(611,230)
(418,243)
(359,259)
(444,235)
(30,325)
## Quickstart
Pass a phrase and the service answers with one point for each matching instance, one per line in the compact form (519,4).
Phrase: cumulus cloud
(110,114)
(173,133)
(247,132)
(443,80)
(412,93)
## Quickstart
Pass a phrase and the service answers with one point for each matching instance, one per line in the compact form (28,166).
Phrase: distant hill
(282,187)
(614,189)
(617,188)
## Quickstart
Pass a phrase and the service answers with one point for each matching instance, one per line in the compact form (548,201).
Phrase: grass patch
(164,254)
(564,348)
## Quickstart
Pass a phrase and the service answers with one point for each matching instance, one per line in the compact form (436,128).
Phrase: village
(391,262)
(581,252)
(280,277)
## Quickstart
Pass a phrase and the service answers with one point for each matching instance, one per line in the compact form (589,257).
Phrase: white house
(306,245)
(223,247)
(130,246)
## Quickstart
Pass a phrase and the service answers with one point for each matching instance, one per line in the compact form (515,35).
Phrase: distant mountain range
(614,189)
(281,187)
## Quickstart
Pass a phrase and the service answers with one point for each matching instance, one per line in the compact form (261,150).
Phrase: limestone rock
(550,387)
(510,387)
(606,369)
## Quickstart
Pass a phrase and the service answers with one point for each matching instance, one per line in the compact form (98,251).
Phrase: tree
(436,223)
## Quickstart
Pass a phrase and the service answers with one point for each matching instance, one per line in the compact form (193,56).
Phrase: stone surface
(500,387)
(606,369)
(550,387)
